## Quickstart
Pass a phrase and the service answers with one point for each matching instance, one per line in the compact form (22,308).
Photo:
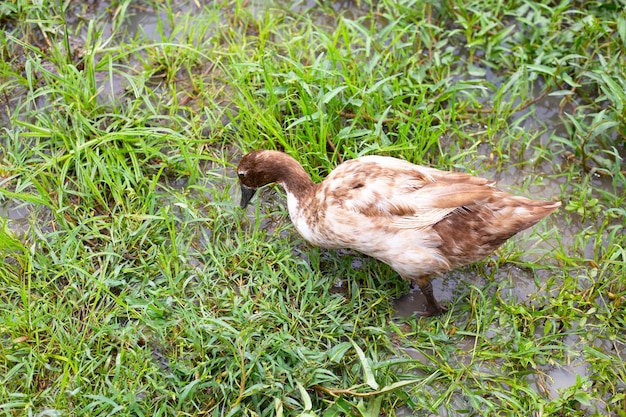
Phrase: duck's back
(400,192)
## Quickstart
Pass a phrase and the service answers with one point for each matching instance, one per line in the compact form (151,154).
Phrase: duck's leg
(433,308)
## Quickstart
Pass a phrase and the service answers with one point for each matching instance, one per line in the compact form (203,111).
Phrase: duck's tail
(524,213)
(473,234)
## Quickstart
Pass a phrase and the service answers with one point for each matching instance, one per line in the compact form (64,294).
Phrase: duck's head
(256,169)
(262,167)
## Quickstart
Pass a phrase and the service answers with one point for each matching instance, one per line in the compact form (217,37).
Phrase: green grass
(134,284)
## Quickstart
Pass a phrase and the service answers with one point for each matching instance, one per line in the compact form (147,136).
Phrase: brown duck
(420,221)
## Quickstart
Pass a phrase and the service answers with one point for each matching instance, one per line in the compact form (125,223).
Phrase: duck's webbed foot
(433,308)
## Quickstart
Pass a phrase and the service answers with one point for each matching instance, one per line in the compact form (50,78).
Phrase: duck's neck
(298,183)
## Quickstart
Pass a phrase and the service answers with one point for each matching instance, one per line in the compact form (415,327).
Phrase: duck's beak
(246,195)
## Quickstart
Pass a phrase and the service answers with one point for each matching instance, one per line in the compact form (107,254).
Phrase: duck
(421,221)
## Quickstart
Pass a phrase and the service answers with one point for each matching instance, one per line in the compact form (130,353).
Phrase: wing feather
(410,196)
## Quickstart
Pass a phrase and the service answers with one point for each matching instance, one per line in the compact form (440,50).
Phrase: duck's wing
(430,204)
(411,196)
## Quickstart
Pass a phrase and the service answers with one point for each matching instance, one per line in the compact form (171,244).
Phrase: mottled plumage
(421,221)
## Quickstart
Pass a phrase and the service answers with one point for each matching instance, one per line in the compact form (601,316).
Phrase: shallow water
(17,213)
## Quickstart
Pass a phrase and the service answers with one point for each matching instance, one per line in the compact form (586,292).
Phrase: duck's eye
(242,175)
